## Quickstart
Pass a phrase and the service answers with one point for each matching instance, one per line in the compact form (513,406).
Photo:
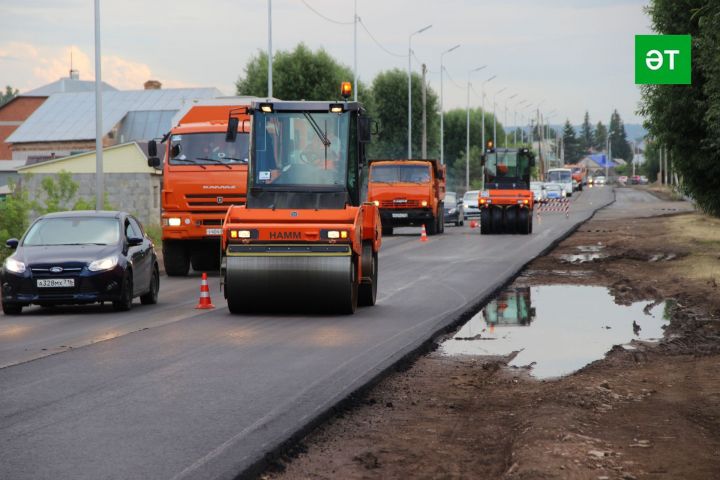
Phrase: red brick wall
(17,110)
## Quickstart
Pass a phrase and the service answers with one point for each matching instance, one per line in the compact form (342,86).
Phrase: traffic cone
(204,302)
(423,234)
(473,224)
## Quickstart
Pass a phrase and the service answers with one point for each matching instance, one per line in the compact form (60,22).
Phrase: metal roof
(71,116)
(145,125)
(66,85)
(10,165)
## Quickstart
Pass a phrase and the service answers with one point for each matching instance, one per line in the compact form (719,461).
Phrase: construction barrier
(555,205)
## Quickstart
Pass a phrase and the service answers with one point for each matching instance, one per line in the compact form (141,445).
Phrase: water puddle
(557,329)
(587,253)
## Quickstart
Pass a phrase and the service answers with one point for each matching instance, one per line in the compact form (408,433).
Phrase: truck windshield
(300,148)
(559,176)
(400,173)
(506,165)
(208,149)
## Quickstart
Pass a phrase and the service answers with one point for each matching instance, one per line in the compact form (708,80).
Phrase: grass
(701,234)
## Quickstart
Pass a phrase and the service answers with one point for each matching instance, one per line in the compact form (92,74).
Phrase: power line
(324,16)
(362,24)
(451,79)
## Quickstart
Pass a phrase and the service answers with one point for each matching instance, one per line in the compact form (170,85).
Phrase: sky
(571,55)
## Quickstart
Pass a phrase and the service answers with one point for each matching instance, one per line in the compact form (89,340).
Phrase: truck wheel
(175,259)
(368,287)
(431,226)
(523,221)
(511,220)
(496,220)
(485,226)
(387,231)
(205,261)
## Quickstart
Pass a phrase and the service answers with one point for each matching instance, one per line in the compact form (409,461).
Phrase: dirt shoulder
(649,412)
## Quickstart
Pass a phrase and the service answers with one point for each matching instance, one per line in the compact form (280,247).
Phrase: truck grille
(211,200)
(400,204)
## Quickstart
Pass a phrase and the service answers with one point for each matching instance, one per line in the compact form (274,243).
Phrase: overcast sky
(577,55)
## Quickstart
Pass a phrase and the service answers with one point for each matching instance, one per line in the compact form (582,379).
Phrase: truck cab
(408,193)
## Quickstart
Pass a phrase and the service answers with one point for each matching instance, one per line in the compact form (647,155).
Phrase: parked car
(470,203)
(80,257)
(635,180)
(643,180)
(454,212)
(623,179)
(554,191)
(539,192)
(600,180)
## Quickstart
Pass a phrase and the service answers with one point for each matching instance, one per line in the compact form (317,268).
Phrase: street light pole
(482,94)
(409,146)
(269,52)
(467,133)
(355,72)
(442,111)
(495,116)
(506,124)
(99,183)
(515,128)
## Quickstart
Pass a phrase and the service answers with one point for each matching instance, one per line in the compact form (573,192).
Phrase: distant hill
(635,131)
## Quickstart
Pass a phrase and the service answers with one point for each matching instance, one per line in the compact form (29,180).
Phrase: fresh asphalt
(170,392)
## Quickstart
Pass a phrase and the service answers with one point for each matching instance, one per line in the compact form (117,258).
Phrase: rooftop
(66,85)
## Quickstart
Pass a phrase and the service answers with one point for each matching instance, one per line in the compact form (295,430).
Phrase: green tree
(456,134)
(684,118)
(9,94)
(586,134)
(618,138)
(297,74)
(571,144)
(14,215)
(389,108)
(600,137)
(456,171)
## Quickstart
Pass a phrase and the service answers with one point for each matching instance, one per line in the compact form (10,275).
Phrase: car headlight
(15,266)
(103,264)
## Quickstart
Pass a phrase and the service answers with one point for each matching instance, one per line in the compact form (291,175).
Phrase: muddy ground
(650,412)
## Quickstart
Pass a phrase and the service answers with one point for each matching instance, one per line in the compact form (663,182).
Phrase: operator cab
(508,168)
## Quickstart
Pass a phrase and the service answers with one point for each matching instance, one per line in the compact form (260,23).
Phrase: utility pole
(442,108)
(409,140)
(99,180)
(269,52)
(355,70)
(424,112)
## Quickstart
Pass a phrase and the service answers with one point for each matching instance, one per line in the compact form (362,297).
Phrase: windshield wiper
(323,138)
(188,161)
(219,162)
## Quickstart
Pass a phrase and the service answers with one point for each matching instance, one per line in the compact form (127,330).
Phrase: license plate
(55,282)
(399,215)
(213,231)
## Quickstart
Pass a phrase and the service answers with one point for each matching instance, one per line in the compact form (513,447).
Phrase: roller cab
(303,240)
(506,203)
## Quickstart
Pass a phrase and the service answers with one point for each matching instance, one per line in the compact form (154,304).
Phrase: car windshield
(400,173)
(300,148)
(450,198)
(73,231)
(208,149)
(553,187)
(535,186)
(562,176)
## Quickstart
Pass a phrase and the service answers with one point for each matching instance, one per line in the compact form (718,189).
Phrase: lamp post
(409,148)
(269,51)
(495,116)
(442,112)
(515,129)
(467,128)
(506,124)
(482,94)
(99,180)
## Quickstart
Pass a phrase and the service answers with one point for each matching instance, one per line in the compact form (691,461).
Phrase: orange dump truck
(202,176)
(579,174)
(304,239)
(506,203)
(408,193)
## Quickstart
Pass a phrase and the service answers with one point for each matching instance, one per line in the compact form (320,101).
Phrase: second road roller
(304,240)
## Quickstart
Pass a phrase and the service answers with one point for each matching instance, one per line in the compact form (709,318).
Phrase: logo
(219,200)
(56,269)
(663,59)
(219,187)
(285,236)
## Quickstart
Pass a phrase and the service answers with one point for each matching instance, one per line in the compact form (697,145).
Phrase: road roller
(506,202)
(304,240)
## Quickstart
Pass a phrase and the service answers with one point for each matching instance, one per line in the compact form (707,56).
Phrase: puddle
(556,328)
(560,273)
(588,253)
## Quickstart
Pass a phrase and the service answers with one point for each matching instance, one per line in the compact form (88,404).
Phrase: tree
(9,94)
(684,118)
(571,144)
(297,74)
(14,215)
(389,109)
(618,138)
(586,134)
(456,134)
(600,137)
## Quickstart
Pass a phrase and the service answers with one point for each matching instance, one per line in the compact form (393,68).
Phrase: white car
(554,191)
(600,180)
(539,192)
(470,203)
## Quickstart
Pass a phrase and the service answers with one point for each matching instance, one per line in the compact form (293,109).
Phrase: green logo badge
(663,59)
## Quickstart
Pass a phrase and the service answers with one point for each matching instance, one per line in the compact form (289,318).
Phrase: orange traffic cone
(204,302)
(473,224)
(423,234)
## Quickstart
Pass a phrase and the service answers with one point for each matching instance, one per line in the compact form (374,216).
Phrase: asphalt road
(169,392)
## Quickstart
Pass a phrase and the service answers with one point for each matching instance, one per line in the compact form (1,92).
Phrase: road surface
(169,392)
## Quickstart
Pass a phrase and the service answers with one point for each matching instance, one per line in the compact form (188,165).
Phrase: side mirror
(12,243)
(231,133)
(364,129)
(459,202)
(135,241)
(152,148)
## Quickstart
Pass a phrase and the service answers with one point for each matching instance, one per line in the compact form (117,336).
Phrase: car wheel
(151,297)
(125,302)
(12,308)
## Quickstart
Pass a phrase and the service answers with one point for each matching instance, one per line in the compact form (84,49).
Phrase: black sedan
(80,257)
(454,212)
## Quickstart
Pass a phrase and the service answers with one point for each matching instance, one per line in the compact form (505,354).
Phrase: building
(17,110)
(64,124)
(129,183)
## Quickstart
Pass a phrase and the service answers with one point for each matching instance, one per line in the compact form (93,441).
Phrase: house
(65,123)
(17,110)
(129,183)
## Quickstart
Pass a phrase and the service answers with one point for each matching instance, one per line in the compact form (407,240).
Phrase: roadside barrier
(559,205)
(204,302)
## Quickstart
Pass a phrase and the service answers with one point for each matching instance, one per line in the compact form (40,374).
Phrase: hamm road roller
(304,240)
